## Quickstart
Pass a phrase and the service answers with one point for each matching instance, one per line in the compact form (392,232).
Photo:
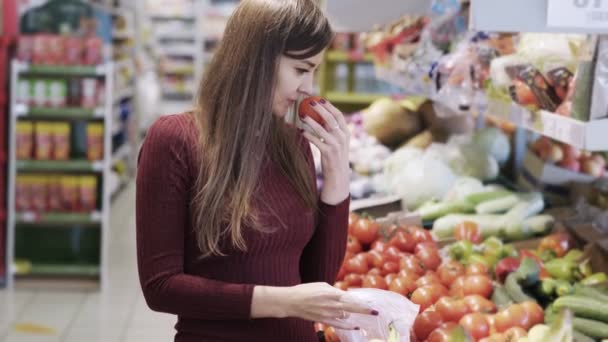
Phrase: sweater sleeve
(162,212)
(324,253)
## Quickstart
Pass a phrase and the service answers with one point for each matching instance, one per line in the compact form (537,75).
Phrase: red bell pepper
(560,243)
(506,266)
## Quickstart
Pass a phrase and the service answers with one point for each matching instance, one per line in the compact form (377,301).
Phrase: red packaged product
(25,48)
(40,49)
(22,193)
(55,53)
(39,194)
(73,47)
(54,194)
(93,51)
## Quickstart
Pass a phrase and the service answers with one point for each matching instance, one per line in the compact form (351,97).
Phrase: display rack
(56,248)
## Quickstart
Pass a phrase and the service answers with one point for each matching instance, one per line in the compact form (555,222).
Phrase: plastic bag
(394,309)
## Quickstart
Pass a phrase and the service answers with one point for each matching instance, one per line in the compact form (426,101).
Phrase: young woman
(232,235)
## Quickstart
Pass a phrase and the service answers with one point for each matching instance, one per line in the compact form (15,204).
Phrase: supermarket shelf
(37,282)
(353,98)
(173,17)
(346,57)
(362,15)
(45,270)
(507,16)
(93,218)
(60,113)
(123,35)
(175,36)
(179,71)
(60,166)
(122,94)
(61,70)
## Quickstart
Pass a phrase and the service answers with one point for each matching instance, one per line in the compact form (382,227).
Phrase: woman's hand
(315,302)
(332,139)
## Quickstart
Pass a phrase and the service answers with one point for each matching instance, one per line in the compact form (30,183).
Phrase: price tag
(96,216)
(578,14)
(28,216)
(21,109)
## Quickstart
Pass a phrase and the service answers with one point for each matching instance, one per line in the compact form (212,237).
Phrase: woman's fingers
(337,114)
(331,123)
(318,130)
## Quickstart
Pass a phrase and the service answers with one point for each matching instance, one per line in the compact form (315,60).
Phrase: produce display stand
(60,249)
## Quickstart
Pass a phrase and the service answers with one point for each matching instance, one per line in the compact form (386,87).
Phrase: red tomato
(425,323)
(376,258)
(306,108)
(357,264)
(392,253)
(428,279)
(341,273)
(404,241)
(477,303)
(374,281)
(403,285)
(515,333)
(366,231)
(353,279)
(469,231)
(504,267)
(342,285)
(390,277)
(427,295)
(379,246)
(353,245)
(457,287)
(450,271)
(428,255)
(411,264)
(389,267)
(476,325)
(375,271)
(443,333)
(535,313)
(451,309)
(513,316)
(477,269)
(330,335)
(420,235)
(352,219)
(478,284)
(408,274)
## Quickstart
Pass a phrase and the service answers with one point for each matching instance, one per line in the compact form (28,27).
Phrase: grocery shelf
(589,135)
(363,16)
(508,16)
(61,70)
(59,165)
(122,35)
(122,94)
(353,98)
(173,17)
(346,57)
(121,153)
(33,269)
(59,113)
(88,218)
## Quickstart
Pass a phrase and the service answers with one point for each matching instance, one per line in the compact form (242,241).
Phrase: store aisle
(118,315)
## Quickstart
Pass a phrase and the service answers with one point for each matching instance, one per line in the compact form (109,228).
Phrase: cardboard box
(553,181)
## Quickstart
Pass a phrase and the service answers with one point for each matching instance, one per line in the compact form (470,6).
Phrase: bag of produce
(396,318)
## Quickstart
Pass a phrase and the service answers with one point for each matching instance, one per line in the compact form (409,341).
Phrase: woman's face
(294,80)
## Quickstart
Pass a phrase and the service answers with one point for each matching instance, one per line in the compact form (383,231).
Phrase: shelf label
(97,165)
(96,216)
(579,14)
(28,216)
(98,113)
(21,109)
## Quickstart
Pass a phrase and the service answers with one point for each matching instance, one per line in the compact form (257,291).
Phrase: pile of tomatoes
(406,260)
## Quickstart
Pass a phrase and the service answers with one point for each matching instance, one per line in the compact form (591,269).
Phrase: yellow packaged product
(88,193)
(61,141)
(25,140)
(95,141)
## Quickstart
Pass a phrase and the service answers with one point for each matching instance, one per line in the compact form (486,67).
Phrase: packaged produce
(55,193)
(39,193)
(93,51)
(44,140)
(56,93)
(70,191)
(73,54)
(39,95)
(88,193)
(25,140)
(61,141)
(95,141)
(89,93)
(23,187)
(24,91)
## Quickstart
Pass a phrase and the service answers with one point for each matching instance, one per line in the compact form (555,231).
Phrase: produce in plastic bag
(599,101)
(396,311)
(390,123)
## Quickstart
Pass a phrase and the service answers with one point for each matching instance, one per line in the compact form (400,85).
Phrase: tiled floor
(119,314)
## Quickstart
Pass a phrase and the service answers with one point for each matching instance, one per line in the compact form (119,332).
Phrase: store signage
(589,15)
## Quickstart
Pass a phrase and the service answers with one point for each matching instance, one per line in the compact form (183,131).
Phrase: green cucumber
(591,328)
(580,337)
(590,292)
(583,307)
(515,291)
(500,297)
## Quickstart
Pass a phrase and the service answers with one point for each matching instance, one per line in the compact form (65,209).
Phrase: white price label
(578,14)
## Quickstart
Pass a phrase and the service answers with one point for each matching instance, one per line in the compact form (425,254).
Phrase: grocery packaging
(599,100)
(25,48)
(95,141)
(24,91)
(55,52)
(39,94)
(40,49)
(44,140)
(70,186)
(73,50)
(56,93)
(89,93)
(54,193)
(38,193)
(88,193)
(61,141)
(25,143)
(93,51)
(22,193)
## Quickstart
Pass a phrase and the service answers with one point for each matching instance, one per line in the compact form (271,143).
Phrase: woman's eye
(301,71)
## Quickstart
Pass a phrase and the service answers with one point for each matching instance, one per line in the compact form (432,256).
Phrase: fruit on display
(390,122)
(306,108)
(569,157)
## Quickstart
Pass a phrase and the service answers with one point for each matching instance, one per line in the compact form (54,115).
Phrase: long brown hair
(234,112)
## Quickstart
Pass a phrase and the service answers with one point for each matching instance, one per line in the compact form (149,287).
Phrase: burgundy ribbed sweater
(212,297)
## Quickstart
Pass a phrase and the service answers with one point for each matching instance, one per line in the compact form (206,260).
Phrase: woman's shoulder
(173,130)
